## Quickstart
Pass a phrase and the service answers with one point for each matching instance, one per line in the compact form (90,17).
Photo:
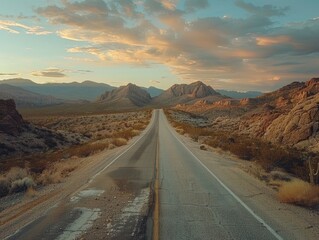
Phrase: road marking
(156,192)
(259,219)
(81,224)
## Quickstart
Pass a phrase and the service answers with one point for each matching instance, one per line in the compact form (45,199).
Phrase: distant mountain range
(25,98)
(27,93)
(69,91)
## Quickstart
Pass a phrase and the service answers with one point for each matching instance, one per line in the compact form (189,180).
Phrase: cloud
(13,27)
(266,10)
(85,71)
(9,74)
(247,51)
(50,72)
(193,5)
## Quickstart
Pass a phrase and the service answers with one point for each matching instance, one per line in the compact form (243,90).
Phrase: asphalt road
(190,200)
(194,204)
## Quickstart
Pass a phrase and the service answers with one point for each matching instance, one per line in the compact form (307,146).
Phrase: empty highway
(161,186)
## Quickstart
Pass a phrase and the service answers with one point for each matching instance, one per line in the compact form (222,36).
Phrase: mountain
(187,94)
(153,91)
(239,95)
(24,98)
(87,90)
(126,97)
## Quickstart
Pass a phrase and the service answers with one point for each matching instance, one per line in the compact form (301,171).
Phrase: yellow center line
(156,208)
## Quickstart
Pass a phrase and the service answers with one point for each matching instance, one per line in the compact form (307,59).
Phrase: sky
(231,44)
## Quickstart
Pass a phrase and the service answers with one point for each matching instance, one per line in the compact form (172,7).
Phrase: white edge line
(126,150)
(259,219)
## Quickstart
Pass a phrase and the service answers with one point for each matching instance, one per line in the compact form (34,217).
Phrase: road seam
(259,219)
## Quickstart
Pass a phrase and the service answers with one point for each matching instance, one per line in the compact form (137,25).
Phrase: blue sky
(229,44)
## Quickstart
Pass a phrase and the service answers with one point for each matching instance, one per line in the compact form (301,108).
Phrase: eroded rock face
(299,124)
(11,122)
(288,116)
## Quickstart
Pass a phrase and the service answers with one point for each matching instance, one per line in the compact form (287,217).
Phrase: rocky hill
(187,94)
(20,137)
(25,98)
(126,97)
(288,116)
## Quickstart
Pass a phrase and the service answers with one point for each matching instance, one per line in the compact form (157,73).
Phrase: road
(198,195)
(204,195)
(193,203)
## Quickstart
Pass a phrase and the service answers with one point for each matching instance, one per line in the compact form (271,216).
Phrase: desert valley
(159,119)
(273,137)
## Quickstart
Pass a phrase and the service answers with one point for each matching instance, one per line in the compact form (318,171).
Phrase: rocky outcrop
(288,116)
(11,122)
(18,137)
(299,124)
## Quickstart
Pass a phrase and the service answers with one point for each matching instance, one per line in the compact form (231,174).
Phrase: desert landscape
(272,137)
(159,119)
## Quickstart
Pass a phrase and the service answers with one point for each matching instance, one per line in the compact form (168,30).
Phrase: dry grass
(86,150)
(300,193)
(119,142)
(57,172)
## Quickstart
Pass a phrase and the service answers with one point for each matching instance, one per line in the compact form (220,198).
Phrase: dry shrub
(300,193)
(57,172)
(21,185)
(119,142)
(16,173)
(136,132)
(15,180)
